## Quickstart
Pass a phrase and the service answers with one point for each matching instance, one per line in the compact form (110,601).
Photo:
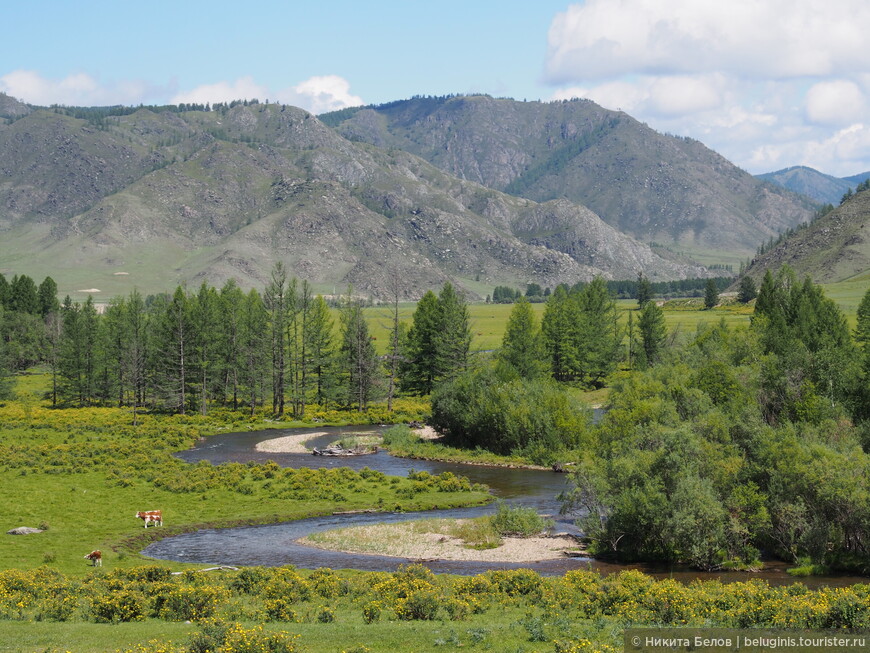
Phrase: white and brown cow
(96,558)
(151,517)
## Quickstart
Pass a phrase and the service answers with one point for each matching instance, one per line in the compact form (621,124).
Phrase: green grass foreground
(146,609)
(82,474)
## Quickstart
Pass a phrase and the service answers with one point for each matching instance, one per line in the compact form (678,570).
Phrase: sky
(767,83)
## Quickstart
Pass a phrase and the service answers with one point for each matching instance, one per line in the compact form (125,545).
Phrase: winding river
(275,544)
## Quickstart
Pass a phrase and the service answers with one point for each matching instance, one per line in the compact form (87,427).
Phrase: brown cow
(96,558)
(149,516)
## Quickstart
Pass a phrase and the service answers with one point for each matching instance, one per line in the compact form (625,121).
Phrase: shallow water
(275,544)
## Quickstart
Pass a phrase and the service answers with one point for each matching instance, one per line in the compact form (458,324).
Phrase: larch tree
(232,300)
(320,349)
(652,331)
(255,341)
(600,339)
(453,338)
(522,347)
(276,304)
(419,370)
(359,358)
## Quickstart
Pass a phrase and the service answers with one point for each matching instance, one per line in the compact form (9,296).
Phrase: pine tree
(418,372)
(600,337)
(5,290)
(711,294)
(78,352)
(746,292)
(652,330)
(276,303)
(522,346)
(136,321)
(254,349)
(395,348)
(231,301)
(560,328)
(174,339)
(205,309)
(23,297)
(453,338)
(116,348)
(321,349)
(644,290)
(47,297)
(358,355)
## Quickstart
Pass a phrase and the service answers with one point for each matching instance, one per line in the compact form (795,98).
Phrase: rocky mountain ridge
(834,248)
(111,198)
(653,186)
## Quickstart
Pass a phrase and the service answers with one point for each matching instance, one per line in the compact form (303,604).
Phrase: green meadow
(489,321)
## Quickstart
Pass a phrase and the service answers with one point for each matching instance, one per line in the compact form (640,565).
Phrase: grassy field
(848,294)
(84,473)
(489,321)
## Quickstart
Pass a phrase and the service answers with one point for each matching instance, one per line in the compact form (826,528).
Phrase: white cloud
(244,88)
(78,89)
(662,96)
(326,93)
(838,102)
(775,38)
(767,84)
(843,153)
(316,94)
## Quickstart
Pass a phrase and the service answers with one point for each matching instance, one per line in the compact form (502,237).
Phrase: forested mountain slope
(833,248)
(112,197)
(655,187)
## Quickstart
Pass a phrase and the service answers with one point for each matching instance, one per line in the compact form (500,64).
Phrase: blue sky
(384,50)
(768,83)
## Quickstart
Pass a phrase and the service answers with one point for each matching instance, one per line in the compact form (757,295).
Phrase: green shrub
(249,580)
(116,607)
(192,603)
(489,409)
(279,609)
(399,435)
(372,611)
(519,521)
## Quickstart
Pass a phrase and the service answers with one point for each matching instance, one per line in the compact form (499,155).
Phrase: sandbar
(398,540)
(288,443)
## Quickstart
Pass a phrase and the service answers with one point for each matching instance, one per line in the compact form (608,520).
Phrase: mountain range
(115,197)
(655,187)
(822,188)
